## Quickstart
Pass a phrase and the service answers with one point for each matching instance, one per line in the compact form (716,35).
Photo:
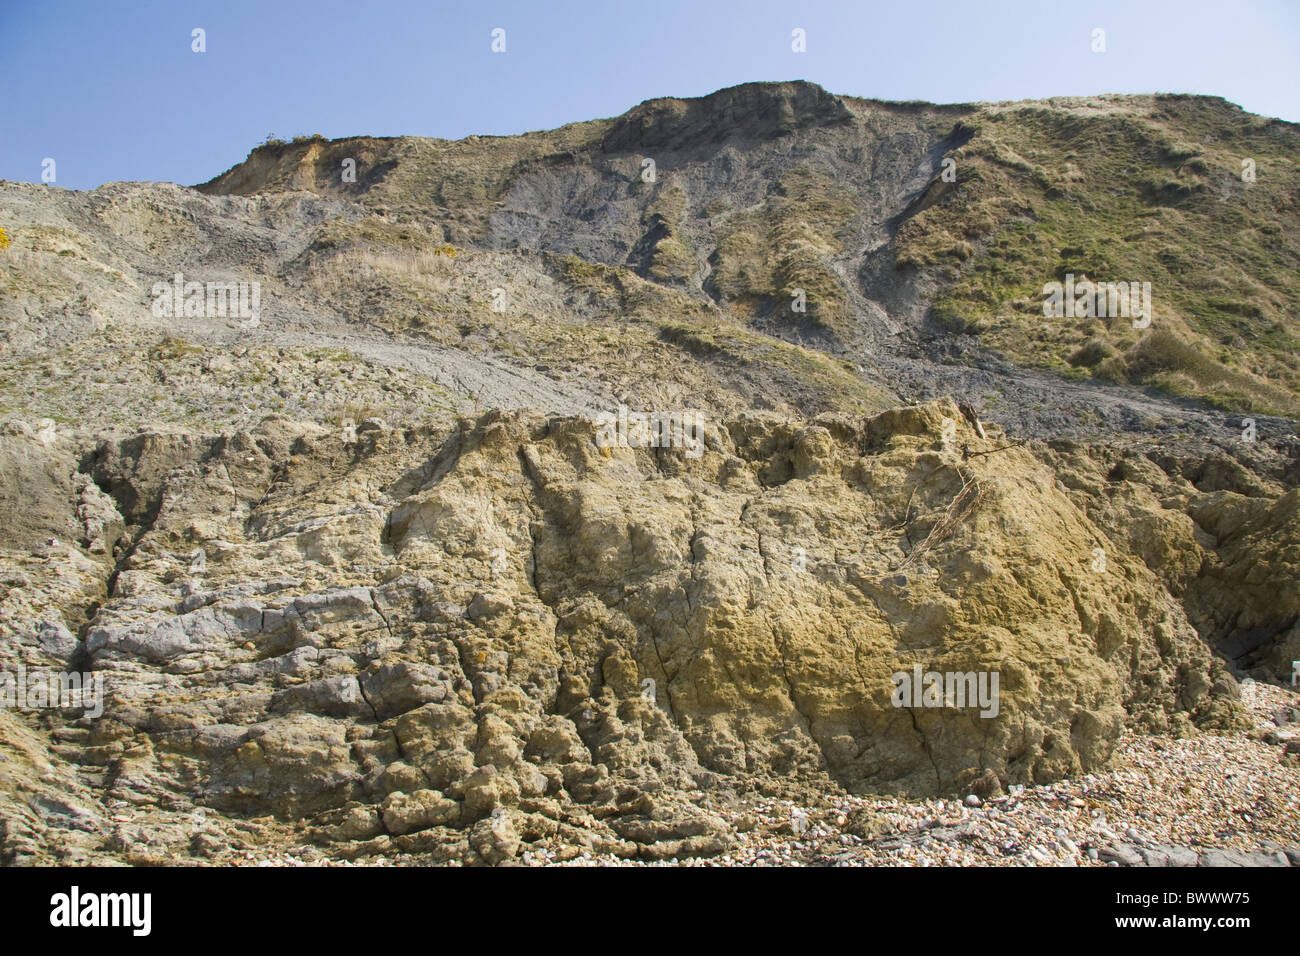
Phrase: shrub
(1093,352)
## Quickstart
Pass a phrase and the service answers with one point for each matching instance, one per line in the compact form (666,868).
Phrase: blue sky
(113,91)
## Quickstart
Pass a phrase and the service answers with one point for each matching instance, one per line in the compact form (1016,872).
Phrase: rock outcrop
(453,640)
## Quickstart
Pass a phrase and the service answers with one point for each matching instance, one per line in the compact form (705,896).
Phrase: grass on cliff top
(1155,197)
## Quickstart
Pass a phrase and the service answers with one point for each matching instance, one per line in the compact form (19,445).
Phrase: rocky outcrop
(1222,536)
(505,629)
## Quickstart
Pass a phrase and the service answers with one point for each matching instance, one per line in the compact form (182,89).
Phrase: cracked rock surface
(457,642)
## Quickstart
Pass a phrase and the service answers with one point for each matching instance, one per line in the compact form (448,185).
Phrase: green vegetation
(672,260)
(767,253)
(1120,195)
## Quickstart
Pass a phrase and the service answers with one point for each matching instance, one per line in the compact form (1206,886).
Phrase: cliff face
(901,223)
(363,569)
(509,615)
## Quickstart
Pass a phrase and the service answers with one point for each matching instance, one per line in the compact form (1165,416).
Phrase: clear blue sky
(112,91)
